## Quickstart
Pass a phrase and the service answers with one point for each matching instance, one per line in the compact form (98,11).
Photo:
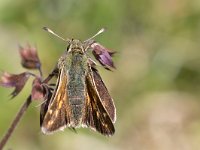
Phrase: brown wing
(44,107)
(57,115)
(105,97)
(96,117)
(49,93)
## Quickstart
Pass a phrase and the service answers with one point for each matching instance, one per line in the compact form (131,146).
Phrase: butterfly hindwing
(44,108)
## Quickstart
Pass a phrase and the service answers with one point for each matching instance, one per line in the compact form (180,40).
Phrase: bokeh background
(156,84)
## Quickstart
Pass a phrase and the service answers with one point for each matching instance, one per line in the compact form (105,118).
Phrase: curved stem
(15,122)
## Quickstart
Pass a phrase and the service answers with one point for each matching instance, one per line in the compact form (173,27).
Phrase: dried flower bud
(102,55)
(29,57)
(14,80)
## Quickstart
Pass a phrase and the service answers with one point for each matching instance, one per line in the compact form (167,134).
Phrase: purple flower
(29,57)
(103,55)
(14,80)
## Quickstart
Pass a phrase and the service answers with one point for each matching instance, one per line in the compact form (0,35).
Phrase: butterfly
(80,97)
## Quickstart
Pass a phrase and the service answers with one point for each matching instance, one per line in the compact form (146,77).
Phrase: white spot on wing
(46,131)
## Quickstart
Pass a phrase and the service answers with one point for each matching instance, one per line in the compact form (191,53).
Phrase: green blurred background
(155,86)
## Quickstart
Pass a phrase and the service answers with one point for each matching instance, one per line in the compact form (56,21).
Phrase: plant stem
(15,122)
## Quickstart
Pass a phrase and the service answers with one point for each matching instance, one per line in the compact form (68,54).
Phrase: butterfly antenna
(99,32)
(50,31)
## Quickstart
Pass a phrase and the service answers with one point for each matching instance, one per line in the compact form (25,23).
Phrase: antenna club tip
(45,28)
(103,29)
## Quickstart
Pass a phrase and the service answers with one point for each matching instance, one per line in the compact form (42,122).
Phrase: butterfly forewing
(96,116)
(57,115)
(105,97)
